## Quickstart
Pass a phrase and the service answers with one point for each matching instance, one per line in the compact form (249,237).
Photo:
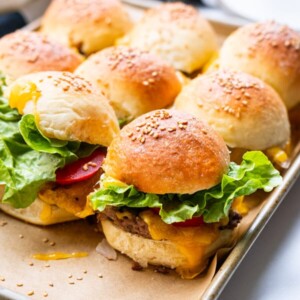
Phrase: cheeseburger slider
(269,51)
(86,25)
(177,33)
(245,111)
(131,79)
(25,52)
(167,193)
(53,127)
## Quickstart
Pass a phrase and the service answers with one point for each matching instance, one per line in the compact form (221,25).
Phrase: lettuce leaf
(255,172)
(28,159)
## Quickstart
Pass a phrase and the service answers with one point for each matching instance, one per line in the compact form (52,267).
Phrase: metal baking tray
(237,254)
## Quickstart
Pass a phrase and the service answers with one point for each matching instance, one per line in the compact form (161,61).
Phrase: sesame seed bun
(65,106)
(167,152)
(134,81)
(177,33)
(24,52)
(87,25)
(269,51)
(244,110)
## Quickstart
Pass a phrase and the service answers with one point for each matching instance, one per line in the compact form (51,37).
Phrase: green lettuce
(255,172)
(28,159)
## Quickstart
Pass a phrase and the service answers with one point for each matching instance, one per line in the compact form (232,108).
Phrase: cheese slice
(191,242)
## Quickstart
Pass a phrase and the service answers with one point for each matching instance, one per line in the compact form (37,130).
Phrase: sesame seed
(2,278)
(155,135)
(130,134)
(142,140)
(47,266)
(141,124)
(51,284)
(71,282)
(19,284)
(245,102)
(170,129)
(45,240)
(30,293)
(154,73)
(133,138)
(162,128)
(52,244)
(21,236)
(31,264)
(100,275)
(45,294)
(3,223)
(145,83)
(79,278)
(85,271)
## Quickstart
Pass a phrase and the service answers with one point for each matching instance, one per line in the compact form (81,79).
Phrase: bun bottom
(39,213)
(153,252)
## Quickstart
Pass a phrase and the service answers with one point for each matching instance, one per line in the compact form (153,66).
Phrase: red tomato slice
(82,169)
(196,221)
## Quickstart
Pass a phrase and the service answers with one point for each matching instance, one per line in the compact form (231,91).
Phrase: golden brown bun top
(244,110)
(167,151)
(177,33)
(270,51)
(65,107)
(87,25)
(25,52)
(134,81)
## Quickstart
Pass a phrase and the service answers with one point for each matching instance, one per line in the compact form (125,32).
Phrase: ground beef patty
(127,219)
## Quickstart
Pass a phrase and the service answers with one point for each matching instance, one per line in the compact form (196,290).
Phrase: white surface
(271,269)
(283,11)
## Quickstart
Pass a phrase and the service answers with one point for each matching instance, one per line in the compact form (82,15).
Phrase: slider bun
(134,81)
(269,51)
(24,52)
(157,156)
(177,33)
(87,25)
(65,106)
(39,213)
(244,110)
(161,253)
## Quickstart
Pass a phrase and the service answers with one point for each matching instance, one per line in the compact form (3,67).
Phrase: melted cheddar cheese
(22,94)
(59,255)
(191,242)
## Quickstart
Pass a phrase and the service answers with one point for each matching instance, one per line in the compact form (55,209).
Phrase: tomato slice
(196,221)
(81,169)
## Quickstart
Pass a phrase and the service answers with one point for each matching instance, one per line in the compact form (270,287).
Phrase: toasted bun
(269,51)
(134,81)
(24,52)
(65,106)
(87,25)
(177,33)
(245,111)
(39,213)
(154,252)
(167,152)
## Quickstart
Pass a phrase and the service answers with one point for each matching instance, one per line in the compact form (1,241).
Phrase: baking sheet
(94,276)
